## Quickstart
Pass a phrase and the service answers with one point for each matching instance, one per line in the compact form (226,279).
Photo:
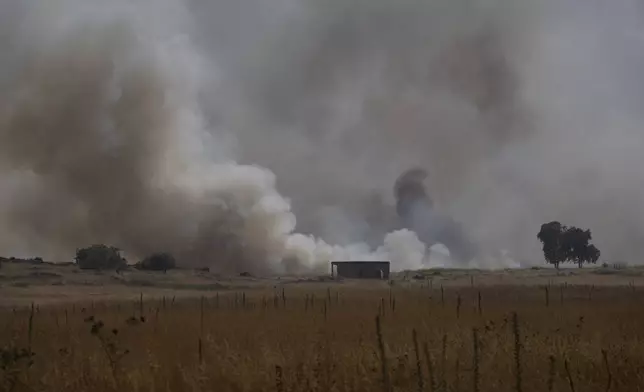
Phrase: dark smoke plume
(418,213)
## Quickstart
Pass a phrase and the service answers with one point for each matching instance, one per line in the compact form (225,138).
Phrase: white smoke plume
(179,125)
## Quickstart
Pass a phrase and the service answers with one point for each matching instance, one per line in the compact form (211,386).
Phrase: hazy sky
(211,128)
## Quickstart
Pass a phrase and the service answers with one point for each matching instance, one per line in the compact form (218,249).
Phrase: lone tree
(100,257)
(157,262)
(562,243)
(550,236)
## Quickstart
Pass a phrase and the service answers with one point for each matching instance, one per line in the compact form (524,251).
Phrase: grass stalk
(386,382)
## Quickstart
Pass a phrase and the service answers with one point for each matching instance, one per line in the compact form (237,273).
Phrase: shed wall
(362,270)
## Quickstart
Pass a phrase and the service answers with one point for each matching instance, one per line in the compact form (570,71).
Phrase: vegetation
(157,262)
(550,236)
(100,257)
(562,243)
(375,338)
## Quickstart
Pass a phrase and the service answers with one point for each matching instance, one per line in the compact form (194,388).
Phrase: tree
(561,243)
(591,254)
(99,257)
(158,262)
(550,236)
(574,244)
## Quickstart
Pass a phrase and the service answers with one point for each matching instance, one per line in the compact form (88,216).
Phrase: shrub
(158,262)
(99,257)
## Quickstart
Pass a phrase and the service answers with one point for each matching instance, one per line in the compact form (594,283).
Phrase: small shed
(360,269)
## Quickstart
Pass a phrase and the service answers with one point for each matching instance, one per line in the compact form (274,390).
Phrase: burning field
(252,142)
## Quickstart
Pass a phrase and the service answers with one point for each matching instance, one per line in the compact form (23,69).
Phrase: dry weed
(309,340)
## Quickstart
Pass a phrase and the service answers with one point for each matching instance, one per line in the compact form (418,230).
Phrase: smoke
(103,140)
(205,128)
(417,213)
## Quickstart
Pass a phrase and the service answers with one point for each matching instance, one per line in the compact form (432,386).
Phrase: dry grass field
(453,331)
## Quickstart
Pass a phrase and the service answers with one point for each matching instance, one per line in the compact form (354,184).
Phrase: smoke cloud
(206,128)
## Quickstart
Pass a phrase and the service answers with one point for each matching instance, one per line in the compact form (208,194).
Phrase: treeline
(104,257)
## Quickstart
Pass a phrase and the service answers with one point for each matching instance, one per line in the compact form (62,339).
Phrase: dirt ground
(24,283)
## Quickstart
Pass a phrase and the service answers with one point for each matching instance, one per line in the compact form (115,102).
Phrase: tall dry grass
(333,339)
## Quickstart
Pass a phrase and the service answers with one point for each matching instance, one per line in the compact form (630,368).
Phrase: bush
(100,257)
(158,262)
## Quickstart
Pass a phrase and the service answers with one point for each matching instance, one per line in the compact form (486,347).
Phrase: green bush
(158,262)
(100,257)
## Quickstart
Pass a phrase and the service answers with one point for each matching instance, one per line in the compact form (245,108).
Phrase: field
(445,330)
